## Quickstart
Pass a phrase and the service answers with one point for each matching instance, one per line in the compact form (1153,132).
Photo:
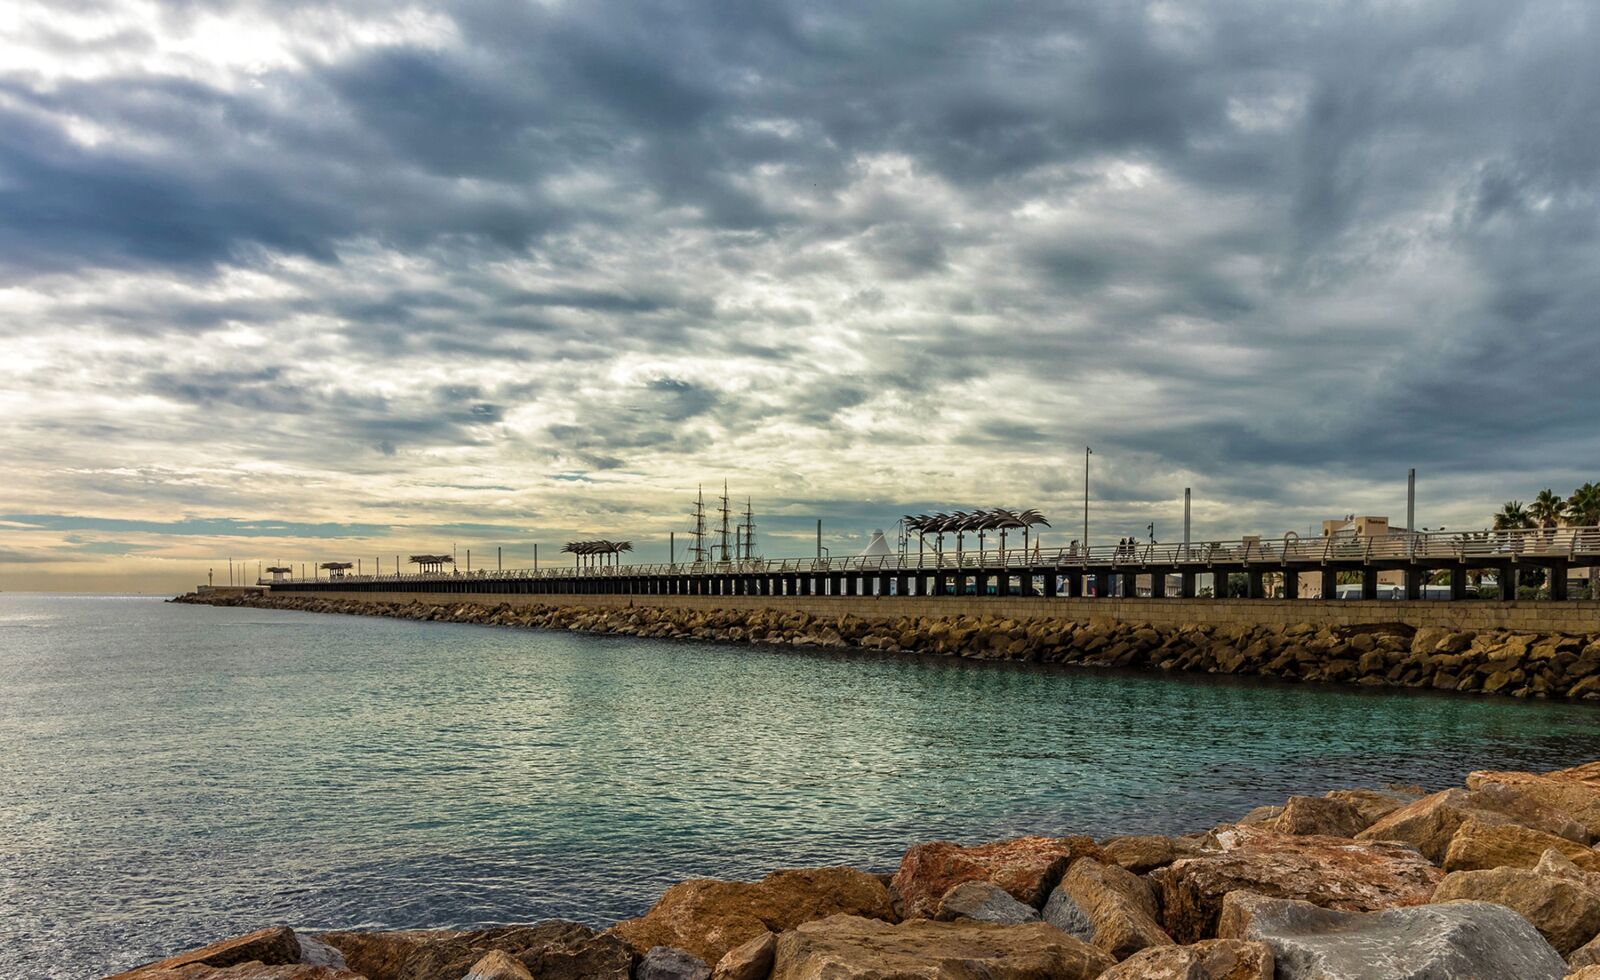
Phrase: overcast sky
(283,283)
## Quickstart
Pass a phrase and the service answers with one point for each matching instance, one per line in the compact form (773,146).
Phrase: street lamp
(1087,452)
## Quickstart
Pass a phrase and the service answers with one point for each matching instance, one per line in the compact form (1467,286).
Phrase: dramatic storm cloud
(284,283)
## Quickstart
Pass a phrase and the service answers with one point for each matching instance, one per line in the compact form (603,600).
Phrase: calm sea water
(172,774)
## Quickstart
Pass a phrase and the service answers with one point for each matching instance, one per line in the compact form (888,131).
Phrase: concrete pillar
(1257,589)
(1508,582)
(1219,583)
(1158,583)
(1415,576)
(1330,583)
(1558,581)
(1048,578)
(980,583)
(1369,582)
(1458,583)
(1291,583)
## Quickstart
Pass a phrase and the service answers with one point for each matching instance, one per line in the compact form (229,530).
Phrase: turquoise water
(177,773)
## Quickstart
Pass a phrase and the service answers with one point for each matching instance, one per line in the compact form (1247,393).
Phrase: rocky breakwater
(1524,665)
(1493,880)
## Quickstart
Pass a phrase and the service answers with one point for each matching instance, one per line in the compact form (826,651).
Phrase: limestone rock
(1027,867)
(1449,941)
(1565,912)
(1319,815)
(1575,791)
(1330,871)
(1477,846)
(1586,955)
(1373,804)
(851,948)
(1119,906)
(1261,815)
(548,950)
(315,952)
(498,964)
(1524,807)
(1584,973)
(984,901)
(1143,853)
(1428,824)
(671,963)
(748,961)
(277,946)
(1213,959)
(709,917)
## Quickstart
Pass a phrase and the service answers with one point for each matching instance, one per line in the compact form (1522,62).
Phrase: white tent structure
(876,547)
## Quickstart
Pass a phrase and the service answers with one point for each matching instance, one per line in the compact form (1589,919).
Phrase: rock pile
(1524,665)
(1354,884)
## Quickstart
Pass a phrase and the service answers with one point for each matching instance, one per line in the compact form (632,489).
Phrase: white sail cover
(877,546)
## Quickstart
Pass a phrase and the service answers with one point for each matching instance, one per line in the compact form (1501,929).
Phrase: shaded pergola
(335,569)
(431,563)
(279,571)
(962,523)
(596,553)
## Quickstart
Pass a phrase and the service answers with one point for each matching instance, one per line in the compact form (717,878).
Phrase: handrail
(1574,544)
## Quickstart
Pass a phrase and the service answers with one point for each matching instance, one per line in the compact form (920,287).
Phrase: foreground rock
(749,961)
(983,901)
(498,965)
(1574,791)
(1117,906)
(1213,959)
(853,948)
(552,950)
(1558,898)
(709,917)
(1452,941)
(669,963)
(1327,871)
(277,946)
(1477,846)
(1028,868)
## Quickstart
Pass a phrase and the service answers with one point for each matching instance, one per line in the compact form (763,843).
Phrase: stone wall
(1519,663)
(1547,617)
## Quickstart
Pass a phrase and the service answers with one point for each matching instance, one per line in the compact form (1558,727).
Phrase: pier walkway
(1107,571)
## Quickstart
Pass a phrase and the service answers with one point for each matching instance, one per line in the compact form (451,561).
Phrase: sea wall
(1576,617)
(1537,663)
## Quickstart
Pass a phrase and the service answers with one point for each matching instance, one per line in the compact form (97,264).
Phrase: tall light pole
(1087,452)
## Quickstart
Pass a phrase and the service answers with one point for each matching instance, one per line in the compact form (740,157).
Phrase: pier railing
(1574,545)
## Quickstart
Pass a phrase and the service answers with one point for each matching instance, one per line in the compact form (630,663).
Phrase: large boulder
(983,901)
(277,946)
(1143,853)
(1586,955)
(1566,912)
(1450,941)
(1374,804)
(709,917)
(1524,807)
(1119,906)
(1213,959)
(1575,791)
(1027,867)
(549,950)
(852,948)
(1427,824)
(671,963)
(750,960)
(1477,846)
(1329,871)
(1319,815)
(498,964)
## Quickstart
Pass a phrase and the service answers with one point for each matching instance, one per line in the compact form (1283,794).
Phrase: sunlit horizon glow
(280,283)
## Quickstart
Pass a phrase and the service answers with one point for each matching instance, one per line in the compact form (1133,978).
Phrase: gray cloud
(1279,252)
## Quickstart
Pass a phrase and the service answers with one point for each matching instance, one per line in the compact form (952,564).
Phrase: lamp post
(1087,452)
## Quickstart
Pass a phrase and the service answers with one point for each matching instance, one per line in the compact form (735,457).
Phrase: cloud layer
(505,272)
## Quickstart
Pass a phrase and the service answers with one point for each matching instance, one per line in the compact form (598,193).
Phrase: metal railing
(1578,545)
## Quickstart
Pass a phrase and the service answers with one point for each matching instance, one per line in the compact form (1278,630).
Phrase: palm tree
(1513,516)
(1583,510)
(1546,509)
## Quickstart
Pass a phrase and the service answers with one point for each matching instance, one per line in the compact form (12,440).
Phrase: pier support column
(1029,589)
(980,583)
(1369,583)
(1158,583)
(1050,578)
(1415,576)
(1186,587)
(1291,583)
(1508,582)
(1558,581)
(1253,576)
(1458,583)
(1330,583)
(1219,583)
